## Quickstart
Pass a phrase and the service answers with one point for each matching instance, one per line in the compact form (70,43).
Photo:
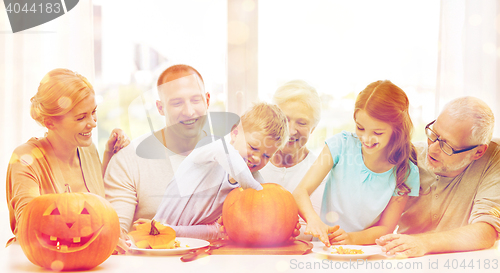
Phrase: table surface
(12,259)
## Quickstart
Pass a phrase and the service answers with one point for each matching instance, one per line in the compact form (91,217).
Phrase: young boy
(193,200)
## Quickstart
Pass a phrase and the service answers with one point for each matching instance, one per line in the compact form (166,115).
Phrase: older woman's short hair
(479,112)
(300,91)
(59,91)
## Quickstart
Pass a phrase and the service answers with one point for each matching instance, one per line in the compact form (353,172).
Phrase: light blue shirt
(353,192)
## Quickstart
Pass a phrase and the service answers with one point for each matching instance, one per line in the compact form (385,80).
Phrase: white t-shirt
(193,200)
(137,176)
(290,178)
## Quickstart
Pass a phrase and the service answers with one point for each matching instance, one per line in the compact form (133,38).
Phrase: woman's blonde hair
(269,120)
(300,91)
(59,91)
(386,102)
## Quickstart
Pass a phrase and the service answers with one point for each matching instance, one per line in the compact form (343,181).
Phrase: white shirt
(137,176)
(197,192)
(290,178)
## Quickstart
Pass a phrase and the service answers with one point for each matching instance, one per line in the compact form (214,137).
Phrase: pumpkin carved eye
(52,210)
(55,212)
(84,211)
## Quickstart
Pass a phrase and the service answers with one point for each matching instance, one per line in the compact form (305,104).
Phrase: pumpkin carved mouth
(66,245)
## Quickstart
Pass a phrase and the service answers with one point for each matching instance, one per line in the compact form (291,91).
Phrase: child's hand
(222,229)
(296,231)
(340,237)
(319,229)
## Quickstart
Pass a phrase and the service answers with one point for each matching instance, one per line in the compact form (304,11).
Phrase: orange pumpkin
(260,218)
(153,235)
(68,231)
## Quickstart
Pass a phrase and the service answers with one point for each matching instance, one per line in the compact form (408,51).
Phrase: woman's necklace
(62,163)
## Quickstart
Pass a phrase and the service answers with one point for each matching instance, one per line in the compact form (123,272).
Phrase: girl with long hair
(372,172)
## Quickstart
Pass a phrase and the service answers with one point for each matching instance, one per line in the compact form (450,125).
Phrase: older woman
(65,105)
(302,106)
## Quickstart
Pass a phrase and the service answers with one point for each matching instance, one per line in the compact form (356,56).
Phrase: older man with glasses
(459,204)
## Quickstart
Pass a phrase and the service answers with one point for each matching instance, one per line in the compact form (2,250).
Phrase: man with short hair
(184,103)
(138,175)
(459,204)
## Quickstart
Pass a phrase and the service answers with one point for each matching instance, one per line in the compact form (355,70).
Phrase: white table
(12,259)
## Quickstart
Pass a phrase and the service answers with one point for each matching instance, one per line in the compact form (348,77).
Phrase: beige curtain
(25,57)
(469,53)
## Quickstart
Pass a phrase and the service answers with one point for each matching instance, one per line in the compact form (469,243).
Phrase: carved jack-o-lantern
(68,231)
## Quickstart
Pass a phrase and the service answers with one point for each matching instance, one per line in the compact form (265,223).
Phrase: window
(136,42)
(339,47)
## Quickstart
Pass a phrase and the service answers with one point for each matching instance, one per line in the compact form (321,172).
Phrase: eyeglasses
(445,147)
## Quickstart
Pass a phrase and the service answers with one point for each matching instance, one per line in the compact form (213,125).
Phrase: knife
(202,252)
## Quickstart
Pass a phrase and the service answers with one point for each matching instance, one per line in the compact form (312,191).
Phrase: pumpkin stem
(68,189)
(154,230)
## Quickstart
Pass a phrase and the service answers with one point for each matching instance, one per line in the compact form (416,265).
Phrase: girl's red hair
(386,102)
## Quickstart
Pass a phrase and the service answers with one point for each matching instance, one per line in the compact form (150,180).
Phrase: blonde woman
(65,105)
(302,106)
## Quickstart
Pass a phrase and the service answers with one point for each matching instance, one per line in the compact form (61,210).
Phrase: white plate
(367,251)
(187,244)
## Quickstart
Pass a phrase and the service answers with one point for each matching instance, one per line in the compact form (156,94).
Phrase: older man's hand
(401,245)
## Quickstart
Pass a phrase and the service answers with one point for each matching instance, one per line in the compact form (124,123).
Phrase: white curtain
(469,53)
(25,57)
